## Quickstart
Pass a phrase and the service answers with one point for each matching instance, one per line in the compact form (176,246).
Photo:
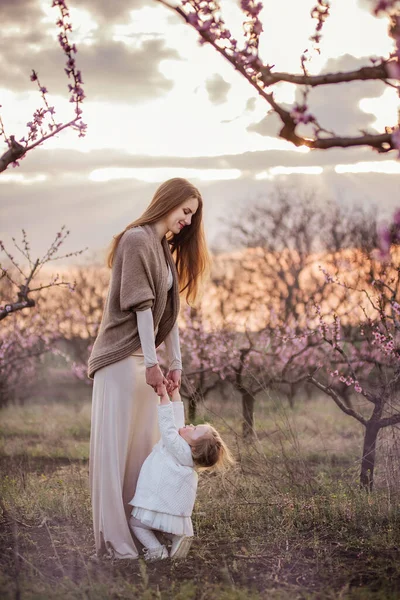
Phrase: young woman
(155,259)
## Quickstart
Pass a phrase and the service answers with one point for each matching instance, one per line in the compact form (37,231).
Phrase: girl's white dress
(167,484)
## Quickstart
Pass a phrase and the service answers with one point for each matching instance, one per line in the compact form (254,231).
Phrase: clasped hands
(156,378)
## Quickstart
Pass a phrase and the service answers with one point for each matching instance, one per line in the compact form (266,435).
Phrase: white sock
(144,534)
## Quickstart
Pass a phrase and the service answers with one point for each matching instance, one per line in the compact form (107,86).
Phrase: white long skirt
(124,430)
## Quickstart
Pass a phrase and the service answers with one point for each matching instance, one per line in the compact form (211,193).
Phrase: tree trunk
(248,414)
(291,394)
(368,455)
(192,407)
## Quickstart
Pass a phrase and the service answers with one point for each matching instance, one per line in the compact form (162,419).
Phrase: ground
(288,522)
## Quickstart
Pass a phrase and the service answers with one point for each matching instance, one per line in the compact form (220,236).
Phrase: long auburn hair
(188,246)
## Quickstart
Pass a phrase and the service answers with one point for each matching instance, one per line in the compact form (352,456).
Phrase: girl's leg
(144,534)
(153,549)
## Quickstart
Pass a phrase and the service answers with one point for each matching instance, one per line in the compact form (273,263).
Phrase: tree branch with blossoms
(205,16)
(43,125)
(25,279)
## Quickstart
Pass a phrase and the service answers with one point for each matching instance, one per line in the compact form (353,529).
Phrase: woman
(157,257)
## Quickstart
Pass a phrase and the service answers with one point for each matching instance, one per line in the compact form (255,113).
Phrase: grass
(289,522)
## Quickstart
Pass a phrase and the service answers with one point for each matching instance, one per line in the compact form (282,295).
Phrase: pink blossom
(299,114)
(396,139)
(393,69)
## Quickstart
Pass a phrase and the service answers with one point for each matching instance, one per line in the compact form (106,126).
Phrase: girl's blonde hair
(211,452)
(188,246)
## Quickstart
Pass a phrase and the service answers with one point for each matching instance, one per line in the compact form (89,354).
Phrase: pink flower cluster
(385,6)
(205,16)
(385,343)
(393,66)
(76,89)
(396,137)
(388,235)
(299,114)
(320,12)
(348,380)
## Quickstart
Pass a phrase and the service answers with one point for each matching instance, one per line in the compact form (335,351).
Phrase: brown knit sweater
(138,281)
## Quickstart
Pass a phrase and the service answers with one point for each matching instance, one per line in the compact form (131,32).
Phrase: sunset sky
(160,105)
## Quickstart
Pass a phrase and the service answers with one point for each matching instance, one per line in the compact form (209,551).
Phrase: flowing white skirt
(124,430)
(163,521)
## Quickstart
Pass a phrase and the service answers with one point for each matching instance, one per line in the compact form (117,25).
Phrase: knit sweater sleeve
(146,333)
(173,349)
(171,439)
(179,414)
(136,290)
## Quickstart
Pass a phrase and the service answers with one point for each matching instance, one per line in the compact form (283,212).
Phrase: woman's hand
(174,380)
(155,377)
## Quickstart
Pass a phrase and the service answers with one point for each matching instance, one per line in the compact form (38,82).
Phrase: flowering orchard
(366,357)
(298,125)
(43,124)
(28,334)
(24,340)
(343,339)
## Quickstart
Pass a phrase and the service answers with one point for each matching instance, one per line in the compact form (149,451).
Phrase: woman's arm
(154,375)
(172,346)
(145,325)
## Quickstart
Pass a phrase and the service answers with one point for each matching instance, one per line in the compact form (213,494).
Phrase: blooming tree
(26,335)
(199,356)
(24,340)
(273,284)
(368,363)
(298,125)
(44,125)
(77,316)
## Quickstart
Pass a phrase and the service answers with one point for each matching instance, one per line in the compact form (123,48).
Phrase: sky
(160,105)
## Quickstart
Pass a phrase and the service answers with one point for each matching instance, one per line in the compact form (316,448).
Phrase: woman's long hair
(188,246)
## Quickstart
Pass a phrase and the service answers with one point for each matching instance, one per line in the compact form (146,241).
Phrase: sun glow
(387,166)
(161,174)
(274,171)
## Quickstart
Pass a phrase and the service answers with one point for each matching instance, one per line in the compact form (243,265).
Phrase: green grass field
(288,522)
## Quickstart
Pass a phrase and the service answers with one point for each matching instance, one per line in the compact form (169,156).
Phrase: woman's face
(181,216)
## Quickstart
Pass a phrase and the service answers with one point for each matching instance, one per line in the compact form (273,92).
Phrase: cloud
(56,163)
(21,13)
(217,89)
(269,126)
(111,70)
(94,212)
(337,106)
(115,11)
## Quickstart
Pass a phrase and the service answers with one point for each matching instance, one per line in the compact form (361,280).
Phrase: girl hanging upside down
(167,484)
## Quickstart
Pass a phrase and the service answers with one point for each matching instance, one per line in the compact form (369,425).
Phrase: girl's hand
(175,395)
(155,377)
(174,379)
(162,392)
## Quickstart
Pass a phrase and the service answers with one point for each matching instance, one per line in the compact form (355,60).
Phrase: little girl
(167,484)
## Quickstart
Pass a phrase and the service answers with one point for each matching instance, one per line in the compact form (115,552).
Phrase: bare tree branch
(379,72)
(335,396)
